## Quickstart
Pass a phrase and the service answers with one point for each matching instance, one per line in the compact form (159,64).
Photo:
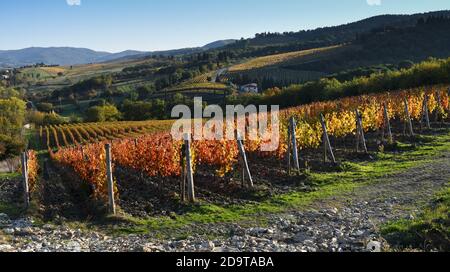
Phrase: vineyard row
(60,136)
(159,155)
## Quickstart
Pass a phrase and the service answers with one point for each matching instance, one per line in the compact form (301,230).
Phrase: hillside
(75,56)
(179,52)
(380,43)
(380,47)
(427,38)
(278,59)
(57,56)
(215,73)
(51,56)
(327,35)
(219,44)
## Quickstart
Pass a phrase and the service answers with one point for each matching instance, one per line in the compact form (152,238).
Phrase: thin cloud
(374,2)
(73,2)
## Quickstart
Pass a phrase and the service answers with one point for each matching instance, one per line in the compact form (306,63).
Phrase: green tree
(12,116)
(145,91)
(10,147)
(137,110)
(159,109)
(7,93)
(103,114)
(45,107)
(53,119)
(161,83)
(133,95)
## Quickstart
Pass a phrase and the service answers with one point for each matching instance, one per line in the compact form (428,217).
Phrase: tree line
(429,72)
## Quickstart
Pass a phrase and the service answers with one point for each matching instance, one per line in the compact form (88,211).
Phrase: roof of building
(250,85)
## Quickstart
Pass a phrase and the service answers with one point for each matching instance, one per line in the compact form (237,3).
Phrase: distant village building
(5,74)
(249,88)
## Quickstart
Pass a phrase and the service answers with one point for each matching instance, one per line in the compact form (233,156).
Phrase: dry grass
(53,70)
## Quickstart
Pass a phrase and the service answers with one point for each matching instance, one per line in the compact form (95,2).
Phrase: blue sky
(116,25)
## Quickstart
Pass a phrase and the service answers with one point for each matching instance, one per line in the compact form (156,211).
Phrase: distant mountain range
(74,56)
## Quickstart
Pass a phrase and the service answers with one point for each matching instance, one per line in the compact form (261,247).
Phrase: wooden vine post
(289,153)
(326,141)
(360,137)
(189,169)
(448,95)
(25,180)
(426,112)
(244,161)
(439,108)
(408,118)
(292,146)
(387,124)
(83,155)
(110,180)
(183,173)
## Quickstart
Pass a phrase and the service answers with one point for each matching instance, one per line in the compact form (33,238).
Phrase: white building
(249,88)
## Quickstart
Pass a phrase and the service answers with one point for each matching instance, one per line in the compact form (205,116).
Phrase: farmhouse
(249,88)
(5,74)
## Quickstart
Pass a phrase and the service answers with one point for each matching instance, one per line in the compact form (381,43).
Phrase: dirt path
(348,222)
(397,195)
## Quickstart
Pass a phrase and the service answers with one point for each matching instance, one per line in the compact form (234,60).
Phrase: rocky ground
(347,222)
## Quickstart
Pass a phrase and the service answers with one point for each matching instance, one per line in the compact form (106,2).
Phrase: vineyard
(204,78)
(198,86)
(57,137)
(202,81)
(340,114)
(277,59)
(158,156)
(277,75)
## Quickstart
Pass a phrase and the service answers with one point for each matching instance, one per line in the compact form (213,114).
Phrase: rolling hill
(388,46)
(57,56)
(75,56)
(179,52)
(52,55)
(219,44)
(278,58)
(380,43)
(335,34)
